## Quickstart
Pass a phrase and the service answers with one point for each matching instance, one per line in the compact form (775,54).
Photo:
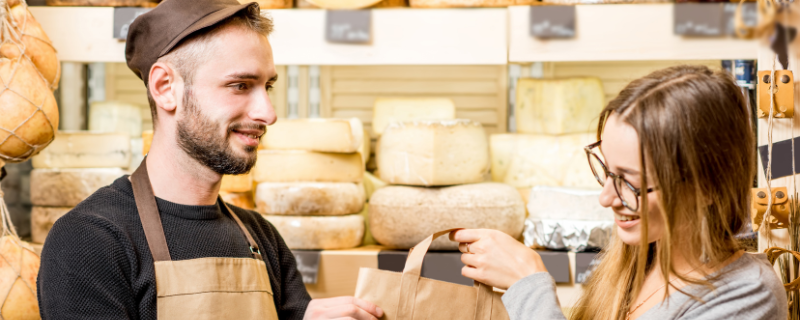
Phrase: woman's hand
(495,258)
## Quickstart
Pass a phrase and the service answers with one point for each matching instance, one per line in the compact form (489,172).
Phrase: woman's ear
(162,82)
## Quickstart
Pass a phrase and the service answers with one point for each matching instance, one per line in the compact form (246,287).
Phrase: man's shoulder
(110,206)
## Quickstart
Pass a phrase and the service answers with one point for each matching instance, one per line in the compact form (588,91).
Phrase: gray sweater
(748,289)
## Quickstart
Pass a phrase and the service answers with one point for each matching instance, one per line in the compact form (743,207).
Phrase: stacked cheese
(310,182)
(119,117)
(443,163)
(555,120)
(74,166)
(238,190)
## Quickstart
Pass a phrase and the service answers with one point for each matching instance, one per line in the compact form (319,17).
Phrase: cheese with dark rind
(320,233)
(401,216)
(309,198)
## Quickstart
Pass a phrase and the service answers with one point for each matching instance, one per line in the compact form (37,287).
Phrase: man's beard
(198,136)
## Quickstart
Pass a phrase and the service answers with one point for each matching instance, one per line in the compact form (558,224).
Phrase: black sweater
(96,263)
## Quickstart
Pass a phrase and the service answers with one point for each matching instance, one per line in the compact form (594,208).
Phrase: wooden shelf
(621,32)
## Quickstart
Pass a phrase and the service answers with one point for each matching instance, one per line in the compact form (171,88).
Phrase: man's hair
(193,50)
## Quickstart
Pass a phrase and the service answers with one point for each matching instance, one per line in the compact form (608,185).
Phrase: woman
(676,160)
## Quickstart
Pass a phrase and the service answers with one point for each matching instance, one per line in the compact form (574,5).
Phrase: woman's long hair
(698,147)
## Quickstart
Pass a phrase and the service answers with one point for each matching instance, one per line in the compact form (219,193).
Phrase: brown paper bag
(407,296)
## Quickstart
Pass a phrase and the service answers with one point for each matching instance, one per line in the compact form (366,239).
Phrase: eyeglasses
(625,190)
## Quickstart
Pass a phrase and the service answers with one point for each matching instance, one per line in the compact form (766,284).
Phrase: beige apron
(205,288)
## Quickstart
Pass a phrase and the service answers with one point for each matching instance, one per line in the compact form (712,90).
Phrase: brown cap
(155,33)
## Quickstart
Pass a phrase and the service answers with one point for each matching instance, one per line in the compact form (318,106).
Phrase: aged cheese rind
(84,149)
(307,166)
(558,106)
(527,160)
(242,200)
(320,233)
(68,187)
(401,217)
(324,135)
(388,110)
(433,153)
(236,183)
(42,220)
(558,203)
(309,198)
(115,116)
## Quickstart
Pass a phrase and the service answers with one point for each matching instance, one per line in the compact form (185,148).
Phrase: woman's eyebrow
(628,171)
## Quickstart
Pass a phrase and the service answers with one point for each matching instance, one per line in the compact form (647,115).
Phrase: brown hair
(696,136)
(192,51)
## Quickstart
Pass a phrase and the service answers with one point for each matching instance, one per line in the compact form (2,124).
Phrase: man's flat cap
(155,33)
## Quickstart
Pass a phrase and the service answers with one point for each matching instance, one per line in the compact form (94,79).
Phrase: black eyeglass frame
(614,177)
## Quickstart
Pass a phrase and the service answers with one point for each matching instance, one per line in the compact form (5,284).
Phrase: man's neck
(179,178)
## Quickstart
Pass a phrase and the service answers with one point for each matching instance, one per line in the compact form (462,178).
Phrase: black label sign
(781,157)
(552,21)
(123,17)
(557,263)
(699,19)
(749,16)
(307,264)
(585,262)
(348,26)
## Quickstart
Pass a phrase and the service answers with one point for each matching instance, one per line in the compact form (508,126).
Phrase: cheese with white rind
(433,153)
(320,233)
(324,135)
(400,216)
(527,160)
(42,220)
(307,166)
(558,106)
(557,203)
(236,183)
(309,198)
(372,183)
(85,149)
(115,116)
(388,110)
(68,187)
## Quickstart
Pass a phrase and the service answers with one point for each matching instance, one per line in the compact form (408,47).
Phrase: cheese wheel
(558,203)
(320,233)
(42,220)
(468,3)
(307,166)
(324,135)
(85,149)
(35,43)
(527,160)
(242,200)
(115,116)
(236,183)
(68,187)
(309,198)
(29,112)
(400,216)
(388,110)
(559,106)
(433,153)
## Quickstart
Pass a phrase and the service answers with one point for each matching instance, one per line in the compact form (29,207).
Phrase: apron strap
(253,245)
(148,213)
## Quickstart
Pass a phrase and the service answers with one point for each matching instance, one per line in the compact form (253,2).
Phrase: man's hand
(495,258)
(342,308)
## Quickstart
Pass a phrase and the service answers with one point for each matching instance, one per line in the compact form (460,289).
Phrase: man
(159,244)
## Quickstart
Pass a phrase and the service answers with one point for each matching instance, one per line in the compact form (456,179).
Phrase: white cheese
(558,106)
(527,160)
(401,217)
(42,220)
(236,183)
(433,153)
(324,135)
(307,166)
(388,110)
(84,149)
(320,233)
(558,203)
(372,183)
(115,116)
(68,187)
(309,198)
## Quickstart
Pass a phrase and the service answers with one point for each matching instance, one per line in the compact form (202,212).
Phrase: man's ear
(163,81)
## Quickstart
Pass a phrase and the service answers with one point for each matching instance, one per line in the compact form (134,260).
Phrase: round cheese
(42,220)
(35,44)
(68,187)
(307,166)
(236,183)
(317,134)
(320,233)
(400,216)
(309,198)
(86,149)
(242,200)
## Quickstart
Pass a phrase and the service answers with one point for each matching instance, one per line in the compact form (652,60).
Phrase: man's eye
(239,86)
(269,88)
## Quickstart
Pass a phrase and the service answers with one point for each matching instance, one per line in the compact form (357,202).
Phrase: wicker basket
(468,3)
(304,4)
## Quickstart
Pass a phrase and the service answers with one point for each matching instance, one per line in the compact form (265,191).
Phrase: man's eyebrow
(273,79)
(244,76)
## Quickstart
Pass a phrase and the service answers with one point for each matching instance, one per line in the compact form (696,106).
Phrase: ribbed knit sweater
(96,263)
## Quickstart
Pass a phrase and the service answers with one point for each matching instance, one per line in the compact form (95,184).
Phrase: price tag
(307,264)
(348,26)
(552,21)
(585,262)
(123,17)
(699,19)
(749,16)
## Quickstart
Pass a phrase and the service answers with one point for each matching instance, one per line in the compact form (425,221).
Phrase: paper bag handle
(411,275)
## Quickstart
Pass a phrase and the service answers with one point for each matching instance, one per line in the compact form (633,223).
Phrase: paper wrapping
(573,235)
